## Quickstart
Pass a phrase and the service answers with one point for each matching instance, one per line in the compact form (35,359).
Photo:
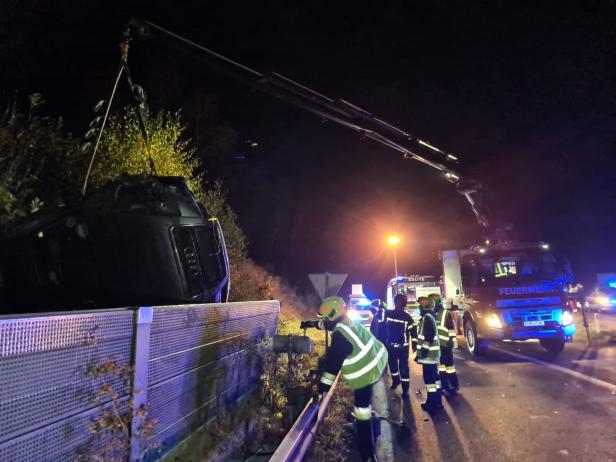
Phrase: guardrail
(300,437)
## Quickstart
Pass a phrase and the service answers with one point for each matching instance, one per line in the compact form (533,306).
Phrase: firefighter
(448,340)
(361,358)
(398,327)
(377,326)
(428,354)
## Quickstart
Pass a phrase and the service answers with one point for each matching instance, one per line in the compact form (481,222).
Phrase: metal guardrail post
(139,392)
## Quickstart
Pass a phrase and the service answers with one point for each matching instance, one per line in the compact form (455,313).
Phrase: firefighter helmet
(426,303)
(332,308)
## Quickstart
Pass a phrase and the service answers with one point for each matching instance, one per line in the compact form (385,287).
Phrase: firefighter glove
(309,324)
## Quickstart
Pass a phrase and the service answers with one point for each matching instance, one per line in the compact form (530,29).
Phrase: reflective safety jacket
(446,328)
(428,348)
(357,353)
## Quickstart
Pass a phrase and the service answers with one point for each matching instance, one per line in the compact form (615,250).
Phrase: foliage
(214,197)
(334,435)
(123,148)
(112,428)
(37,161)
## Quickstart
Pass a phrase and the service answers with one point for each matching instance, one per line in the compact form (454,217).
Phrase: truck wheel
(476,346)
(552,345)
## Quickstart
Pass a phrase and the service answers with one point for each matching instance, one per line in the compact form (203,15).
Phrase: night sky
(524,92)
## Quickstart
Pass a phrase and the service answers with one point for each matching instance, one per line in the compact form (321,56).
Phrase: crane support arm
(337,111)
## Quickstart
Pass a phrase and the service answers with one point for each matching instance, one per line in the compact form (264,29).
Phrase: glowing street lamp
(393,241)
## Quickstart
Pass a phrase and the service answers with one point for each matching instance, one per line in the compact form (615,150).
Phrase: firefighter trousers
(363,419)
(399,366)
(447,371)
(433,387)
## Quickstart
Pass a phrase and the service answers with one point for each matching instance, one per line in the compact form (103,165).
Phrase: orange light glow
(393,240)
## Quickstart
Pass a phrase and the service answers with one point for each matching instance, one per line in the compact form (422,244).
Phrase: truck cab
(510,292)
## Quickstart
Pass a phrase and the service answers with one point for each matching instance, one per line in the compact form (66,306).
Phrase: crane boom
(338,111)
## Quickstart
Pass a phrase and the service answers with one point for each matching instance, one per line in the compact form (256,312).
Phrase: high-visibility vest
(428,352)
(366,363)
(447,337)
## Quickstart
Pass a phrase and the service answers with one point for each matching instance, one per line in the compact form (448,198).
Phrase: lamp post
(393,242)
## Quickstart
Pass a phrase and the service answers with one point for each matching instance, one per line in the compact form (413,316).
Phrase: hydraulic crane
(338,111)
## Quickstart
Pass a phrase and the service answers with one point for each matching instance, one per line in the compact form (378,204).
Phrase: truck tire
(553,345)
(475,345)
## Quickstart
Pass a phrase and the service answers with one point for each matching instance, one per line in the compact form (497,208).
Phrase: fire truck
(509,292)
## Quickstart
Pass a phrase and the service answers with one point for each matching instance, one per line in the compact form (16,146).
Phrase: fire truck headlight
(494,322)
(567,318)
(603,301)
(354,315)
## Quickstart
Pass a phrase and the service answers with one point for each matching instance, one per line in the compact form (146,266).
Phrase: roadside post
(585,322)
(597,324)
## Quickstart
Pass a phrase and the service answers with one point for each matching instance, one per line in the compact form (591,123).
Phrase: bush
(37,162)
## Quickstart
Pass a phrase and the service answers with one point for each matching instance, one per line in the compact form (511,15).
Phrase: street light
(393,242)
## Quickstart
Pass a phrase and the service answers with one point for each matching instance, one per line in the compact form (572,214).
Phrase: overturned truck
(137,240)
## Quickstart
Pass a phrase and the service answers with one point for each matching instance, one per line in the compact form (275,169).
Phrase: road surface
(517,403)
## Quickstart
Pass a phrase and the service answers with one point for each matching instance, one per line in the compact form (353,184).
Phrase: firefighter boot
(395,380)
(405,389)
(454,386)
(433,404)
(365,440)
(444,377)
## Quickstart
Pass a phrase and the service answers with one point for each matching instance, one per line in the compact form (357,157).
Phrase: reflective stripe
(431,388)
(364,351)
(395,373)
(349,331)
(433,348)
(405,380)
(396,320)
(441,368)
(443,337)
(451,369)
(362,413)
(368,366)
(327,378)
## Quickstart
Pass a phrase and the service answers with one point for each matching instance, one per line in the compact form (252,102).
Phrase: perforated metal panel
(201,360)
(46,393)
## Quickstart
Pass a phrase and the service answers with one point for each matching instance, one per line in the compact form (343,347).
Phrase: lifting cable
(140,97)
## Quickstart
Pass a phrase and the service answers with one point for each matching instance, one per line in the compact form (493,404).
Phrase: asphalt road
(517,403)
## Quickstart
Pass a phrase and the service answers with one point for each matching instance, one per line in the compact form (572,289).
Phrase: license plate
(534,323)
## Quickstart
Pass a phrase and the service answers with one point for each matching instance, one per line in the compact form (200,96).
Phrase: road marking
(565,370)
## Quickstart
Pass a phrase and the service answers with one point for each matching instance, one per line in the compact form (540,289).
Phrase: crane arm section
(338,111)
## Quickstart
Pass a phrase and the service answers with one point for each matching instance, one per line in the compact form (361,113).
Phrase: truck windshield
(512,265)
